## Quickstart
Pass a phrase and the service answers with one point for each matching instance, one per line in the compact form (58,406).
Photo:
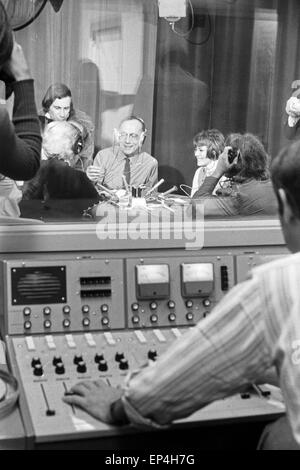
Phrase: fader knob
(98,358)
(60,368)
(123,365)
(38,370)
(102,366)
(152,354)
(81,367)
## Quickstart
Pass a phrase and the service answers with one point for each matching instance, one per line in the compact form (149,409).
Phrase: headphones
(78,144)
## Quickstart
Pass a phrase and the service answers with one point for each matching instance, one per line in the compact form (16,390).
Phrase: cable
(11,394)
(207,37)
(184,35)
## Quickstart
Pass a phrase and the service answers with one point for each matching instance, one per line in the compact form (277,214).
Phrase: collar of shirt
(134,159)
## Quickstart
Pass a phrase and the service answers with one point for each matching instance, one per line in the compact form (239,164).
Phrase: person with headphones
(58,176)
(125,158)
(58,107)
(208,145)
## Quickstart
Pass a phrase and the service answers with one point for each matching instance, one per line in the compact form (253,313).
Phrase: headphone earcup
(142,138)
(78,145)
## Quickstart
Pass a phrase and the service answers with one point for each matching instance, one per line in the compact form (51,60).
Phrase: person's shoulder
(284,262)
(149,157)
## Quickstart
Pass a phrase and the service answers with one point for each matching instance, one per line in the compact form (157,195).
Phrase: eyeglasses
(131,137)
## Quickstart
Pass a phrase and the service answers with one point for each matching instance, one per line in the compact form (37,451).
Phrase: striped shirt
(256,325)
(143,168)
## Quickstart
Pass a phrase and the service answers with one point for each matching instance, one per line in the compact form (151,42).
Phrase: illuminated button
(29,342)
(109,339)
(66,323)
(123,364)
(35,361)
(98,358)
(135,319)
(153,306)
(26,311)
(105,321)
(81,367)
(86,322)
(190,316)
(161,338)
(70,341)
(119,356)
(189,303)
(135,306)
(171,304)
(104,308)
(152,354)
(66,309)
(140,337)
(27,325)
(102,366)
(172,317)
(154,318)
(56,360)
(77,358)
(38,370)
(85,309)
(50,342)
(60,368)
(90,340)
(206,302)
(177,333)
(46,310)
(47,324)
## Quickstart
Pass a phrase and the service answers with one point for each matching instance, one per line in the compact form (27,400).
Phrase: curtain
(287,70)
(102,50)
(218,76)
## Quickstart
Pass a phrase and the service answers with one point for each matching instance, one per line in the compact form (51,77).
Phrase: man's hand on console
(95,397)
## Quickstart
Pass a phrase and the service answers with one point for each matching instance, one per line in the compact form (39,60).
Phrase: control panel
(62,296)
(175,291)
(106,294)
(49,365)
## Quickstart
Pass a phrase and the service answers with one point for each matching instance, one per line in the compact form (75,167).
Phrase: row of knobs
(171,304)
(65,309)
(81,365)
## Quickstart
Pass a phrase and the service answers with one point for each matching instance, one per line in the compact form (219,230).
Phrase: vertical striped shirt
(143,168)
(256,325)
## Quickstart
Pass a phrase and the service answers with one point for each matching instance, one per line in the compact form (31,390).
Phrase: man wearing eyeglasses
(125,159)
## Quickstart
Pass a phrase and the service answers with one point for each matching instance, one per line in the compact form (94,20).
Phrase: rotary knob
(35,361)
(98,358)
(123,364)
(206,302)
(102,366)
(81,367)
(56,360)
(60,368)
(119,356)
(77,358)
(152,354)
(38,370)
(189,303)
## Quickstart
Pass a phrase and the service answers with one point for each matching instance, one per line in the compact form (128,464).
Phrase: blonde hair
(59,139)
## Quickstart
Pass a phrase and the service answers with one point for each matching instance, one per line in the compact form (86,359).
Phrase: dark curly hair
(253,161)
(285,174)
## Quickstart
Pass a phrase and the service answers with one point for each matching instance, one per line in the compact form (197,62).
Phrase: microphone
(161,181)
(171,190)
